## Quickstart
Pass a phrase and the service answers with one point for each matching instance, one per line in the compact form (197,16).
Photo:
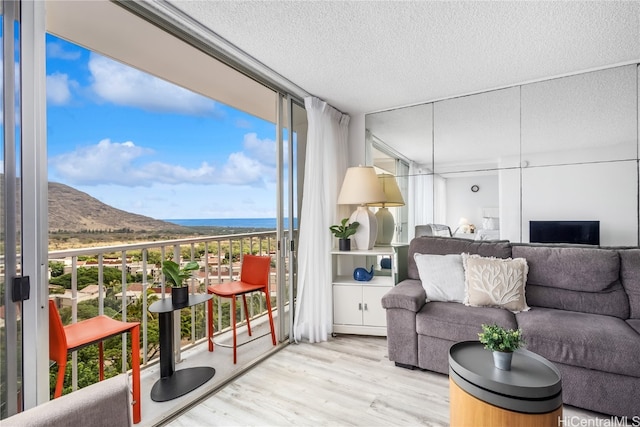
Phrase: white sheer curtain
(325,166)
(420,201)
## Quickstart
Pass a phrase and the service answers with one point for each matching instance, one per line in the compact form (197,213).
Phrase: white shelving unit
(357,307)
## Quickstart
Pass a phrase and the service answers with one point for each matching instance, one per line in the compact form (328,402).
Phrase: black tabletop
(531,375)
(165,305)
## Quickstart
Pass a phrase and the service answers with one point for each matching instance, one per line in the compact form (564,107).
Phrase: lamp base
(386,227)
(367,231)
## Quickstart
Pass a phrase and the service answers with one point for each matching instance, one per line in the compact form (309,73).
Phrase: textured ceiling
(364,56)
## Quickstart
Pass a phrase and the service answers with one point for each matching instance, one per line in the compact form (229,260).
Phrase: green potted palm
(343,231)
(502,343)
(176,278)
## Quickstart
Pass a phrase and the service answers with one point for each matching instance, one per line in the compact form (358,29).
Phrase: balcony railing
(220,260)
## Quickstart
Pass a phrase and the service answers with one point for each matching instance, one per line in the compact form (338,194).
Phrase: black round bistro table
(172,383)
(530,394)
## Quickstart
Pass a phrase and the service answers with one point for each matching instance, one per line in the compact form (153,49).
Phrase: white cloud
(262,149)
(105,162)
(124,163)
(255,165)
(56,50)
(242,170)
(122,175)
(124,85)
(58,88)
(171,174)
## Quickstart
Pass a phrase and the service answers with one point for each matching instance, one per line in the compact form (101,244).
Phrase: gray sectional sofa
(584,317)
(103,404)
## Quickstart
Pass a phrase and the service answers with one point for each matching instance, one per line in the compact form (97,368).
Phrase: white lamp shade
(391,191)
(463,225)
(360,187)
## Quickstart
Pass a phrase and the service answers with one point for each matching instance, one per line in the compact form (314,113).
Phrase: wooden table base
(466,410)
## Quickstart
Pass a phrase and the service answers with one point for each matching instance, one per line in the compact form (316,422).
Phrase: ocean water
(267,223)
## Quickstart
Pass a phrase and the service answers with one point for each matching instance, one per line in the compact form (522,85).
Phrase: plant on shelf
(502,342)
(176,276)
(343,232)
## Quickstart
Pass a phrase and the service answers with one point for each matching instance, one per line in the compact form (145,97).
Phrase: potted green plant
(502,342)
(176,277)
(343,232)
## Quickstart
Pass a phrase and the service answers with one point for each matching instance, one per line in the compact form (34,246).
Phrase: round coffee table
(530,394)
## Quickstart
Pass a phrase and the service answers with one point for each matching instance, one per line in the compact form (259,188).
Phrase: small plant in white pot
(343,231)
(176,278)
(502,342)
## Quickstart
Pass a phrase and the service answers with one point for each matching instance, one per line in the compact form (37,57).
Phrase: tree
(154,258)
(89,276)
(57,268)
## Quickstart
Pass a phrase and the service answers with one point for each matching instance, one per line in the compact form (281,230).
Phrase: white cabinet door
(347,305)
(373,313)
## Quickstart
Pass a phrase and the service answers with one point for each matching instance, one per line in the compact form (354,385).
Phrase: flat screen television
(582,232)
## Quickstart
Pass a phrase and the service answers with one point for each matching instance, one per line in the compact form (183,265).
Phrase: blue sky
(144,145)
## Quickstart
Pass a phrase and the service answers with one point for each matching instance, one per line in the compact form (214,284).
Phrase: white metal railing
(216,253)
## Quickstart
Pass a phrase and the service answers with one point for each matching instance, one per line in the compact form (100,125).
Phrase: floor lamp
(386,223)
(361,187)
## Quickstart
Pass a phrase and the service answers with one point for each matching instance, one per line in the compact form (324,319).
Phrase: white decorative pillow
(442,276)
(495,282)
(490,223)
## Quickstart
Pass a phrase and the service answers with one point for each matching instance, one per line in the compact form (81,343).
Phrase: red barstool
(254,276)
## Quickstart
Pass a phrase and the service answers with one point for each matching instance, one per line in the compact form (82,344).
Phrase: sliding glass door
(268,128)
(21,326)
(10,322)
(292,143)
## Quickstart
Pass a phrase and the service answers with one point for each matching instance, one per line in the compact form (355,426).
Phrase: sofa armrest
(408,294)
(105,403)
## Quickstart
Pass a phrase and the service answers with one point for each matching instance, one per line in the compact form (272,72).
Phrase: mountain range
(72,210)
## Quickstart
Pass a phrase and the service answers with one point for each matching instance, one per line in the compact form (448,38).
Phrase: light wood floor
(348,381)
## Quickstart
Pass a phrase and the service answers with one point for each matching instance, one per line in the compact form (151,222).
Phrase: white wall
(357,139)
(579,193)
(464,203)
(510,204)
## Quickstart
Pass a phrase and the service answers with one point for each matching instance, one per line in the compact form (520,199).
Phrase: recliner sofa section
(584,317)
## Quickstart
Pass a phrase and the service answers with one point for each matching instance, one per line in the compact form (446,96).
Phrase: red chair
(254,276)
(64,339)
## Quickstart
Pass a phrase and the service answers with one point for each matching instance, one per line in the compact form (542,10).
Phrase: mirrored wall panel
(590,117)
(467,199)
(408,131)
(565,149)
(480,205)
(477,132)
(579,193)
